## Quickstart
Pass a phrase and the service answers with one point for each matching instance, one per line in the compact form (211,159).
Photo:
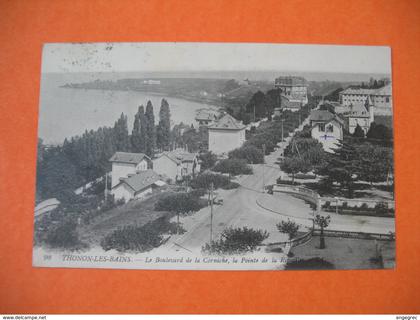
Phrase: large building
(125,163)
(176,164)
(358,114)
(381,98)
(294,91)
(226,134)
(327,128)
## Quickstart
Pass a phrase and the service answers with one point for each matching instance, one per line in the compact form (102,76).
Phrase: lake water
(69,112)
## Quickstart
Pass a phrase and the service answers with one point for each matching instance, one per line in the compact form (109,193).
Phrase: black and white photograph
(215,156)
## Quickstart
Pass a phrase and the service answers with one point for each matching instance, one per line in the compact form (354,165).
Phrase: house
(204,117)
(381,98)
(125,163)
(357,114)
(294,89)
(136,186)
(176,164)
(226,134)
(327,128)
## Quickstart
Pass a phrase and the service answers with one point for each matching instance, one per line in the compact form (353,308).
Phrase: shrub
(139,238)
(179,203)
(64,236)
(344,205)
(236,240)
(231,185)
(204,181)
(381,207)
(327,204)
(309,264)
(208,160)
(233,167)
(289,227)
(250,154)
(364,206)
(198,192)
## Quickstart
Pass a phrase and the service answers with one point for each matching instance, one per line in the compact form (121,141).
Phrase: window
(330,128)
(321,127)
(387,99)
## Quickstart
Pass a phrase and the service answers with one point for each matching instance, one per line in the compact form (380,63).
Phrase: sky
(181,57)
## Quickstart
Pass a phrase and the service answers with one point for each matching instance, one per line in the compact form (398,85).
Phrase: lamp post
(336,205)
(263,177)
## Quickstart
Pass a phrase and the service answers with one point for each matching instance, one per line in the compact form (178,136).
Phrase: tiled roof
(128,157)
(228,122)
(384,91)
(354,110)
(321,115)
(141,180)
(324,116)
(205,115)
(179,155)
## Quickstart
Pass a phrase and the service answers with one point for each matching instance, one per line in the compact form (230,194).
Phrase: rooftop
(179,155)
(205,115)
(141,180)
(324,116)
(384,91)
(127,157)
(227,122)
(290,81)
(321,115)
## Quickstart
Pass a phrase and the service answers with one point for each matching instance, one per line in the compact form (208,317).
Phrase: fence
(355,235)
(370,203)
(301,192)
(291,243)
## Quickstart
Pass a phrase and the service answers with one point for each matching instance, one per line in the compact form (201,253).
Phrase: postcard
(215,156)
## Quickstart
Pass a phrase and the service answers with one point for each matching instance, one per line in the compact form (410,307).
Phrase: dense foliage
(81,159)
(249,153)
(236,240)
(289,227)
(139,238)
(204,181)
(208,160)
(233,167)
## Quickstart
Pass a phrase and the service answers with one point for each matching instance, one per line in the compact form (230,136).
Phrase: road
(239,209)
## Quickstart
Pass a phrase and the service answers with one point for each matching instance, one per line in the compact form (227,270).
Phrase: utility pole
(211,211)
(254,113)
(263,177)
(282,137)
(106,187)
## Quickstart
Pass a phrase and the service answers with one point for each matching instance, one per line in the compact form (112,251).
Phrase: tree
(233,167)
(342,166)
(289,227)
(293,165)
(379,134)
(208,160)
(358,132)
(150,143)
(138,133)
(258,106)
(163,134)
(179,203)
(322,222)
(204,181)
(122,141)
(249,153)
(375,162)
(236,241)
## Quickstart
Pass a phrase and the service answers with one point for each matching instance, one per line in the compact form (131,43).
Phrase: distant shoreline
(210,102)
